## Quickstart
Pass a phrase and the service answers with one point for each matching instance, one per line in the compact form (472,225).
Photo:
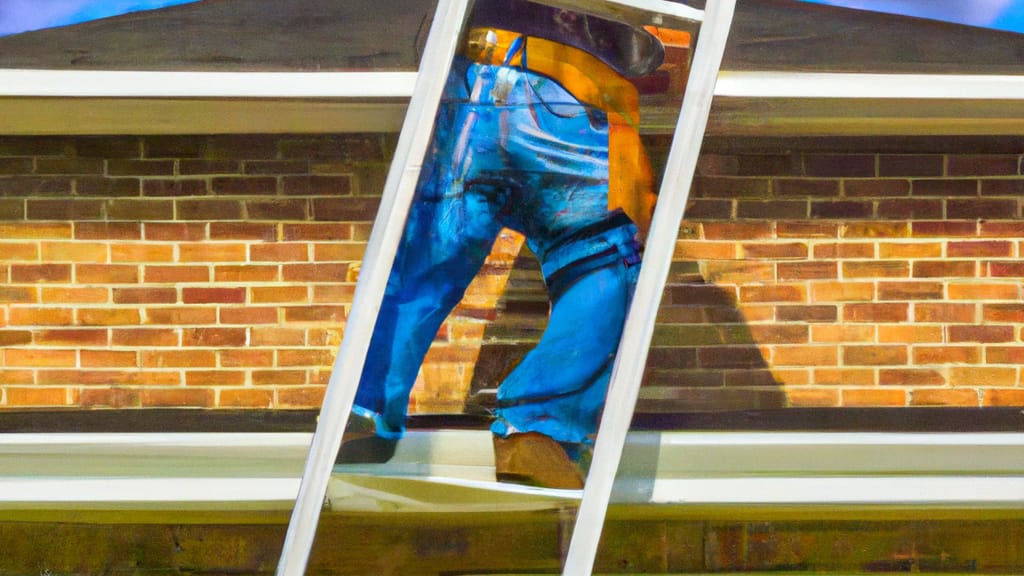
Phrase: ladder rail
(396,201)
(628,368)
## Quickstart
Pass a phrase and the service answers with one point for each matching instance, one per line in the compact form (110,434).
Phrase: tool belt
(593,83)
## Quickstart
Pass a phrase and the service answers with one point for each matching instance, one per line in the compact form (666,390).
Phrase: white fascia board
(360,85)
(134,84)
(802,85)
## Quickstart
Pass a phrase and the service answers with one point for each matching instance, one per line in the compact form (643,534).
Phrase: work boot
(534,459)
(362,445)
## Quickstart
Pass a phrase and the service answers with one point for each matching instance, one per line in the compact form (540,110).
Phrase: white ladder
(399,187)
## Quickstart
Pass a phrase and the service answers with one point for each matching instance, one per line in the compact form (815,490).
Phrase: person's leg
(448,235)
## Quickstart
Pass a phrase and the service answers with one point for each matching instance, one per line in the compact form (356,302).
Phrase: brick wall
(183,271)
(880,272)
(218,271)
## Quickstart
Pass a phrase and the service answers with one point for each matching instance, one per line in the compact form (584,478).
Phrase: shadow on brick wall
(703,356)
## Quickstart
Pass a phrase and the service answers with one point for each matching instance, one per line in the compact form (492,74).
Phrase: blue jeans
(510,149)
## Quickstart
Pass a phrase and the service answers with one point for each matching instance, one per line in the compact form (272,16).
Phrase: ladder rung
(657,12)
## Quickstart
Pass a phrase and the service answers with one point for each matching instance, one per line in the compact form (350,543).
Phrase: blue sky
(24,15)
(998,14)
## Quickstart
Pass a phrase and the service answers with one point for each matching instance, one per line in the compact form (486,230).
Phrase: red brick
(806,313)
(109,358)
(175,231)
(246,358)
(278,377)
(34,273)
(301,397)
(279,209)
(923,355)
(1006,269)
(135,209)
(317,272)
(189,167)
(246,398)
(317,185)
(944,229)
(145,295)
(107,187)
(36,396)
(244,186)
(1003,398)
(737,230)
(192,397)
(181,315)
(712,209)
(844,250)
(875,312)
(1004,354)
(14,337)
(876,188)
(839,333)
(809,187)
(727,271)
(982,209)
(265,294)
(1001,229)
(911,209)
(108,230)
(910,165)
(249,315)
(40,316)
(106,273)
(985,334)
(278,336)
(280,252)
(842,292)
(731,187)
(318,231)
(773,293)
(353,251)
(943,397)
(144,337)
(840,377)
(214,337)
(842,209)
(808,271)
(774,251)
(756,210)
(202,208)
(307,357)
(835,165)
(108,316)
(910,291)
(1003,313)
(215,378)
(13,251)
(910,377)
(64,209)
(982,376)
(72,336)
(243,231)
(865,397)
(944,187)
(875,229)
(944,312)
(876,269)
(173,188)
(989,248)
(246,273)
(805,356)
(109,397)
(910,333)
(211,252)
(34,357)
(812,397)
(69,166)
(974,291)
(982,165)
(9,377)
(34,230)
(141,252)
(213,295)
(179,358)
(807,230)
(175,274)
(890,355)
